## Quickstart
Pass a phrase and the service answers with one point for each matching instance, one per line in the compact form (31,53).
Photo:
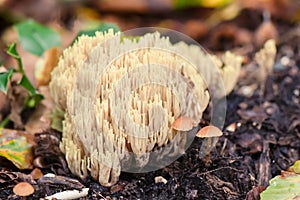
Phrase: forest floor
(261,136)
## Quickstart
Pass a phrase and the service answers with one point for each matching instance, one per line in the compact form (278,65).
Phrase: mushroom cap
(36,173)
(183,123)
(209,131)
(23,189)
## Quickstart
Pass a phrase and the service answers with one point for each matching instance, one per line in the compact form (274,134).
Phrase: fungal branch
(122,96)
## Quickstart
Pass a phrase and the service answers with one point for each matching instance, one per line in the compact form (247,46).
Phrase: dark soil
(265,141)
(262,145)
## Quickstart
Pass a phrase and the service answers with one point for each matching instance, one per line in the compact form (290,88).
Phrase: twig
(214,170)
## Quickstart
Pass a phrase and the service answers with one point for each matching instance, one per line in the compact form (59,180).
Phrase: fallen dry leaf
(229,35)
(2,100)
(116,188)
(256,114)
(62,181)
(23,189)
(16,146)
(45,65)
(264,32)
(251,141)
(16,96)
(255,192)
(278,8)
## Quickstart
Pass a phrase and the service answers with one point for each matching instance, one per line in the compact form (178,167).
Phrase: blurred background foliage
(218,25)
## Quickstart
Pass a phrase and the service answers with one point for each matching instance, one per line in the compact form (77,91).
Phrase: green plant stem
(20,64)
(5,121)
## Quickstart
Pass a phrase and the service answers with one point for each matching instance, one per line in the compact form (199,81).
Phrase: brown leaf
(48,153)
(2,100)
(279,8)
(122,6)
(16,96)
(43,10)
(16,133)
(251,141)
(116,188)
(46,65)
(254,194)
(64,181)
(194,28)
(284,174)
(256,114)
(264,32)
(228,36)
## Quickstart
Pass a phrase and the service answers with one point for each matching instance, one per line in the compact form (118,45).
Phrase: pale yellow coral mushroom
(112,113)
(230,66)
(265,59)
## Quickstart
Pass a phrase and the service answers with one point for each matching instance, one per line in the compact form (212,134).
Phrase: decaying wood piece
(264,174)
(113,116)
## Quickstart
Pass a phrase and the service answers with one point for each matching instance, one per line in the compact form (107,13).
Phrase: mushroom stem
(206,147)
(207,158)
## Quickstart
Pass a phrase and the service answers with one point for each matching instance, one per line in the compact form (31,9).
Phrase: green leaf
(27,85)
(12,51)
(36,38)
(4,78)
(282,188)
(183,4)
(295,167)
(15,147)
(33,100)
(34,97)
(4,122)
(103,27)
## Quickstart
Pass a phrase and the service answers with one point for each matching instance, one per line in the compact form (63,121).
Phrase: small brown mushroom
(209,131)
(36,173)
(183,123)
(23,189)
(210,134)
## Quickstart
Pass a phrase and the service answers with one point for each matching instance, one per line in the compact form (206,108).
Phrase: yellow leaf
(15,147)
